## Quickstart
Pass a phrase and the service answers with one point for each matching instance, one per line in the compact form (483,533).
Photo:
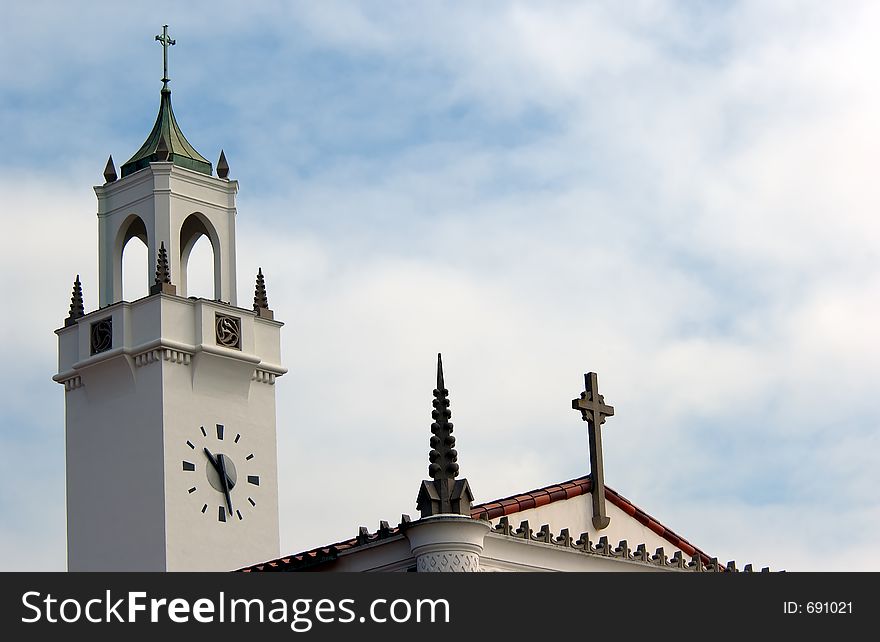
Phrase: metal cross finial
(594,410)
(166,42)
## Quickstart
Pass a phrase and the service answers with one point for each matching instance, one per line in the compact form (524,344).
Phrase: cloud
(680,199)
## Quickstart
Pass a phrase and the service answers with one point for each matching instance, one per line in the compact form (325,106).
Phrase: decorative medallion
(228,331)
(102,335)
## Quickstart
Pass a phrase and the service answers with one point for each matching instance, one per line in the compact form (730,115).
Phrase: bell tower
(169,400)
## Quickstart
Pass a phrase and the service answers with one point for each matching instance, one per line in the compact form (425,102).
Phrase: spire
(163,274)
(441,387)
(76,304)
(176,148)
(109,171)
(443,493)
(222,166)
(443,456)
(261,300)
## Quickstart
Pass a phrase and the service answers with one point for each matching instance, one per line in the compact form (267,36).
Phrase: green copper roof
(179,151)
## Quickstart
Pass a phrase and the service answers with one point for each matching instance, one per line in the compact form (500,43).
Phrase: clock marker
(219,431)
(238,512)
(237,437)
(249,457)
(204,508)
(190,444)
(204,434)
(188,465)
(254,479)
(191,490)
(221,517)
(253,503)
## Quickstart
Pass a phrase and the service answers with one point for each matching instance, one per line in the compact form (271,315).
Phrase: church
(188,480)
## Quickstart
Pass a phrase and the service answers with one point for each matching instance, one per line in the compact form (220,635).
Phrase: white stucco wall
(164,196)
(129,414)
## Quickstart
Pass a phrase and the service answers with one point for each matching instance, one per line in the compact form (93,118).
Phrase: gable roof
(489,510)
(574,488)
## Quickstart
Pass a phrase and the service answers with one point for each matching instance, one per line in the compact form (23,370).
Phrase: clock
(222,476)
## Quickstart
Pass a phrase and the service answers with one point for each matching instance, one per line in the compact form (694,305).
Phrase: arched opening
(135,273)
(198,259)
(133,260)
(200,269)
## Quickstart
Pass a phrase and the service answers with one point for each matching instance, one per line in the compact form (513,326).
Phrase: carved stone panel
(101,335)
(228,331)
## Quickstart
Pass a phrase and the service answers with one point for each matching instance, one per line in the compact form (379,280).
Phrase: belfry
(169,399)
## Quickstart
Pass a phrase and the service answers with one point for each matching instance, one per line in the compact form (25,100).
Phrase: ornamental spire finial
(163,274)
(443,455)
(163,154)
(440,384)
(222,166)
(76,304)
(261,300)
(443,493)
(110,171)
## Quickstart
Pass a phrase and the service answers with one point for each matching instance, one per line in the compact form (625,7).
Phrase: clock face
(222,474)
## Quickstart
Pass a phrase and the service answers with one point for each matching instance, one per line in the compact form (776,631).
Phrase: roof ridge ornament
(594,410)
(443,493)
(77,310)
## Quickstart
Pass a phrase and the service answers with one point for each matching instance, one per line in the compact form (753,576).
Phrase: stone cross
(594,410)
(166,42)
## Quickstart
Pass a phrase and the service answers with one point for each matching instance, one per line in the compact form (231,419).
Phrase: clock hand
(224,476)
(212,460)
(226,481)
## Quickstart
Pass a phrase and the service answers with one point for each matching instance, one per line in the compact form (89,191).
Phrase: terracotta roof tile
(690,550)
(573,491)
(654,526)
(542,499)
(495,509)
(582,486)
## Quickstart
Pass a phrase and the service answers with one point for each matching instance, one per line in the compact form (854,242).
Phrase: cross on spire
(594,410)
(166,42)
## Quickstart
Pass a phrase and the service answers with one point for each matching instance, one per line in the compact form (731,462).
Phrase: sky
(679,196)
